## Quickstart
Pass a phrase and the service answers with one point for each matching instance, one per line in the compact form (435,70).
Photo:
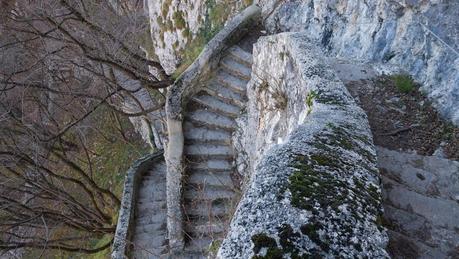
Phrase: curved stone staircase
(210,194)
(210,187)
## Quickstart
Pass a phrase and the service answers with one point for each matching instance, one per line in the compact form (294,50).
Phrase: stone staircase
(210,194)
(210,191)
(150,232)
(421,202)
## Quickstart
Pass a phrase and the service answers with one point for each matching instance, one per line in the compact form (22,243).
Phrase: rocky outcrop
(313,186)
(419,37)
(179,28)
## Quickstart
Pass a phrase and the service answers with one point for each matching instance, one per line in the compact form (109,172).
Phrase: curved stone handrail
(177,95)
(120,248)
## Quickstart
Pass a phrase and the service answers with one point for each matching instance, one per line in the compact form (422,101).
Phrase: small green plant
(403,82)
(310,100)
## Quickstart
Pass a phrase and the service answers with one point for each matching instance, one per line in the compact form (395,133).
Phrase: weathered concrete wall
(314,187)
(419,37)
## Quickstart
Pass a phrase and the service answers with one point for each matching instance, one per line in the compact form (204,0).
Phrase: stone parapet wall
(314,186)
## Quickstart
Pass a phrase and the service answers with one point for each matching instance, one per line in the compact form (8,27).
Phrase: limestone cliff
(180,29)
(414,36)
(418,37)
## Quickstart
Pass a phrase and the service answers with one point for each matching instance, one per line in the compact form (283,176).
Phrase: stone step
(198,244)
(406,247)
(141,252)
(213,165)
(150,194)
(145,239)
(156,178)
(428,175)
(205,228)
(240,55)
(204,135)
(440,212)
(153,183)
(209,193)
(208,150)
(211,120)
(151,217)
(225,94)
(235,68)
(151,228)
(217,106)
(157,205)
(234,83)
(190,255)
(204,179)
(204,209)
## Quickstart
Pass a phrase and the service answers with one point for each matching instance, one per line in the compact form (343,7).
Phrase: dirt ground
(404,121)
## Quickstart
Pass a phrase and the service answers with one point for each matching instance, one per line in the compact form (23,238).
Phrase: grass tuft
(404,83)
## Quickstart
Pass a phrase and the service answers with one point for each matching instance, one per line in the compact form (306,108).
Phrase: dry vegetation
(67,69)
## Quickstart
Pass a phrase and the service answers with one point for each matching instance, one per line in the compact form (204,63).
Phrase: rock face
(419,37)
(313,186)
(178,25)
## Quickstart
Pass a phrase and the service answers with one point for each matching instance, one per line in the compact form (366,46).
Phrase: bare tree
(60,62)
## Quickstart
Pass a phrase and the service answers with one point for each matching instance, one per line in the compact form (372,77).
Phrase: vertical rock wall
(313,189)
(180,29)
(418,37)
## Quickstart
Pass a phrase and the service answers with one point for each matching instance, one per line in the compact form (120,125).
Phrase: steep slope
(210,192)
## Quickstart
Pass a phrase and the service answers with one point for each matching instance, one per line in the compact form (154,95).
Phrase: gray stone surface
(210,189)
(150,233)
(313,186)
(129,199)
(419,37)
(421,204)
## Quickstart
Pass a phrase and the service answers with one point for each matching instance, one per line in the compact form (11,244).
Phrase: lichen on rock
(314,192)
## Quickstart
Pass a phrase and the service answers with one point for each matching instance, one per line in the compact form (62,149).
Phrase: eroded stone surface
(314,187)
